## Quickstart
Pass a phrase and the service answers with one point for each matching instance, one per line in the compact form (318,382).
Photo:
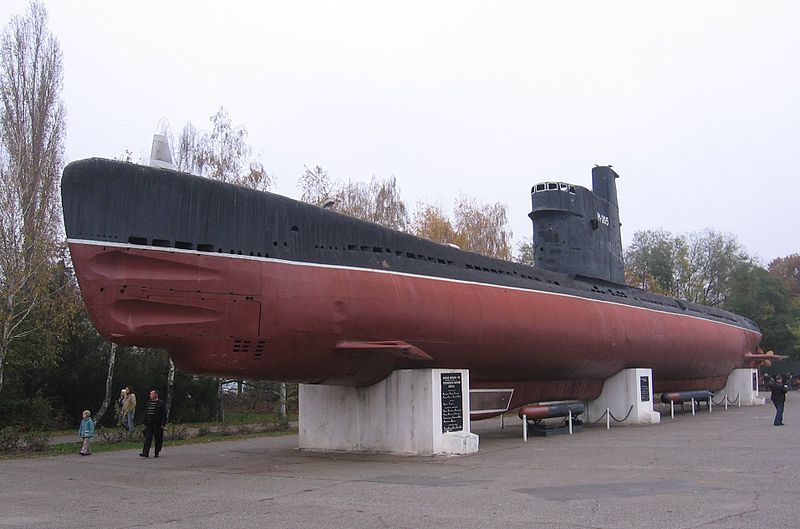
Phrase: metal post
(738,401)
(692,405)
(608,418)
(525,428)
(726,402)
(672,408)
(502,422)
(710,404)
(570,422)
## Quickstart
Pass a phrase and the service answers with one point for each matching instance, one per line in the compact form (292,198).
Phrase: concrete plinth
(412,411)
(742,384)
(629,387)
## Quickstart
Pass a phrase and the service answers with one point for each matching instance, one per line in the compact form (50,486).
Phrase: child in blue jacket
(86,431)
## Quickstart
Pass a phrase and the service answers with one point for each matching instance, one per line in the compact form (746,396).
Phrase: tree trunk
(4,346)
(220,406)
(282,409)
(170,383)
(111,359)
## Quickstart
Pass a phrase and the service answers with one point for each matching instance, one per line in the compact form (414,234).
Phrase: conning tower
(577,231)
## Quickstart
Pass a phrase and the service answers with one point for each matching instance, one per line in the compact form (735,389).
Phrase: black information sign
(452,409)
(644,386)
(755,381)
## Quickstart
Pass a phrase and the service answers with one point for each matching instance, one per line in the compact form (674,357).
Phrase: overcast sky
(695,104)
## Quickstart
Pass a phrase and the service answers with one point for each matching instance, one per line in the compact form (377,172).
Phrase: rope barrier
(624,418)
(601,417)
(725,398)
(608,412)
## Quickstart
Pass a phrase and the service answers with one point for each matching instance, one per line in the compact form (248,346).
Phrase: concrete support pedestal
(412,411)
(742,383)
(629,387)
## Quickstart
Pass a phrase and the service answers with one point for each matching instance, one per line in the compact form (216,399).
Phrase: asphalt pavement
(727,469)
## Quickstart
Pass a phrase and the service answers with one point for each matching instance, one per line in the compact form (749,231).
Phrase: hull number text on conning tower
(602,219)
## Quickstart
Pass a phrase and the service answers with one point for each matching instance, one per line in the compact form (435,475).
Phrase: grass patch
(235,419)
(99,448)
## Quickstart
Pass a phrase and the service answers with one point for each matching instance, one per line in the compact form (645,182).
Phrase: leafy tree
(707,268)
(31,157)
(762,297)
(483,227)
(697,267)
(432,223)
(651,261)
(525,253)
(479,228)
(788,270)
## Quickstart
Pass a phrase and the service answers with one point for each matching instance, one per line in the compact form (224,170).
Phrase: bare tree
(389,209)
(221,153)
(31,153)
(378,202)
(316,186)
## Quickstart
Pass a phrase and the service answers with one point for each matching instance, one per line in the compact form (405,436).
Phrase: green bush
(28,414)
(9,439)
(174,432)
(120,435)
(244,429)
(36,440)
(283,423)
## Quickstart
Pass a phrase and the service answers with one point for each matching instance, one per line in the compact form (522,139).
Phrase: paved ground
(729,469)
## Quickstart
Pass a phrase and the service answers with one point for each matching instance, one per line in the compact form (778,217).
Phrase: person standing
(155,418)
(86,432)
(778,389)
(118,408)
(128,408)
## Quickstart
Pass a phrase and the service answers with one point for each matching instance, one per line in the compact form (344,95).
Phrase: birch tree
(316,186)
(222,153)
(109,377)
(475,227)
(31,155)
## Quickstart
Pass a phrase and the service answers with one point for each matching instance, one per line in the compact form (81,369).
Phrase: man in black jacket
(155,418)
(778,397)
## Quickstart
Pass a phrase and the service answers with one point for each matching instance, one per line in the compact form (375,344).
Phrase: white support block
(412,411)
(744,384)
(630,387)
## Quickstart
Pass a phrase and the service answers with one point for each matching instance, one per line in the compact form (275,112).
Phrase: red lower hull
(258,318)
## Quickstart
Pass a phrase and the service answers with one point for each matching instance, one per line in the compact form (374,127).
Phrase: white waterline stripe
(388,272)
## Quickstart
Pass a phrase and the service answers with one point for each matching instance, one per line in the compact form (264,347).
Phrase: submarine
(241,283)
